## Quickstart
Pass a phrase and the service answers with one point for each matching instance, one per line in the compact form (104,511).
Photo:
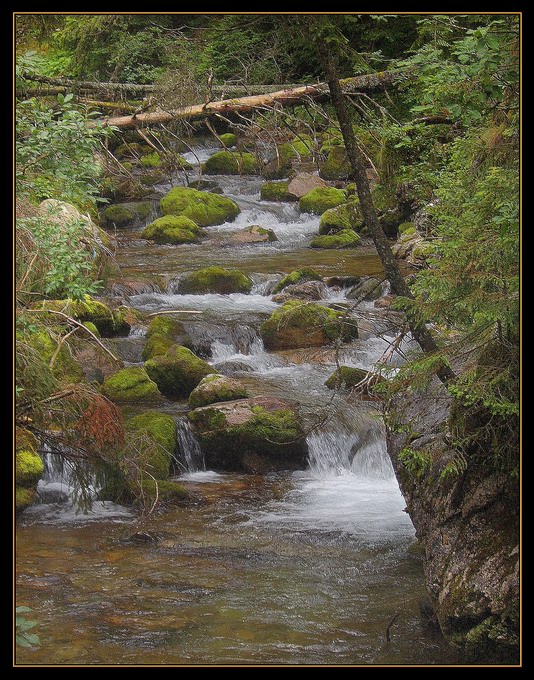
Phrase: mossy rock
(276,191)
(345,376)
(297,276)
(346,216)
(317,201)
(228,139)
(281,166)
(172,229)
(231,163)
(342,239)
(133,149)
(92,328)
(159,429)
(166,492)
(181,162)
(297,324)
(130,385)
(216,388)
(177,372)
(205,209)
(109,323)
(253,234)
(215,280)
(29,468)
(368,288)
(422,250)
(337,165)
(118,215)
(25,440)
(156,346)
(165,325)
(407,228)
(24,497)
(151,160)
(251,435)
(148,179)
(65,367)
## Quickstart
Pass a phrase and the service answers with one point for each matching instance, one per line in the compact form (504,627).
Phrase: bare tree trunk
(358,166)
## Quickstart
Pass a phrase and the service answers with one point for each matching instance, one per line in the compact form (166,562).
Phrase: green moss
(161,429)
(91,327)
(25,440)
(407,228)
(423,250)
(345,376)
(172,229)
(305,325)
(164,491)
(205,209)
(131,149)
(177,372)
(337,165)
(156,345)
(151,178)
(276,191)
(29,468)
(151,160)
(216,388)
(24,497)
(320,199)
(182,163)
(118,215)
(346,216)
(297,276)
(228,139)
(89,310)
(165,325)
(215,280)
(130,385)
(231,163)
(65,367)
(143,209)
(121,318)
(297,147)
(343,239)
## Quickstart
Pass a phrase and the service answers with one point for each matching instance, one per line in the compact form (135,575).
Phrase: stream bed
(300,568)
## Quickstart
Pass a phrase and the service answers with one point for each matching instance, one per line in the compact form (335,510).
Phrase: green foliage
(23,627)
(416,462)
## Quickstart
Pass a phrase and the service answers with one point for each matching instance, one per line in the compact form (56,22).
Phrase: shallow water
(293,568)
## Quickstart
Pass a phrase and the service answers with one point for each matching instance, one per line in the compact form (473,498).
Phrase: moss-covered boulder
(253,234)
(317,201)
(304,182)
(151,160)
(342,239)
(297,276)
(300,324)
(215,280)
(151,177)
(406,228)
(156,345)
(228,139)
(276,191)
(347,377)
(29,468)
(216,388)
(172,229)
(346,216)
(231,163)
(254,435)
(288,153)
(177,372)
(109,323)
(125,214)
(204,208)
(159,429)
(165,325)
(337,164)
(130,386)
(65,367)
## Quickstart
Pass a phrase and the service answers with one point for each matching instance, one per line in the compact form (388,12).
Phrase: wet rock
(96,364)
(143,537)
(130,385)
(348,377)
(250,434)
(205,185)
(216,388)
(177,372)
(345,217)
(297,276)
(369,289)
(253,234)
(231,163)
(172,229)
(310,290)
(203,208)
(342,281)
(385,301)
(276,191)
(215,280)
(319,200)
(125,214)
(342,239)
(127,287)
(303,183)
(301,324)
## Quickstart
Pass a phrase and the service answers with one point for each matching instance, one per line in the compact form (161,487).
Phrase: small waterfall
(191,455)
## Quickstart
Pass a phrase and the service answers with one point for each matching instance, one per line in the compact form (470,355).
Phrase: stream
(297,568)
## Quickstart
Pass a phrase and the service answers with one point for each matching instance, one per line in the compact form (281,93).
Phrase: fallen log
(289,97)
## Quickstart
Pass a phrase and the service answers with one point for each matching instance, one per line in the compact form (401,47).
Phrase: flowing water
(288,568)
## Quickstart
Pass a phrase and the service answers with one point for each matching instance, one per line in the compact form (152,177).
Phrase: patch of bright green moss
(342,239)
(276,191)
(165,325)
(346,216)
(231,163)
(151,160)
(172,229)
(177,372)
(228,139)
(215,280)
(297,276)
(130,385)
(156,345)
(204,208)
(318,200)
(337,165)
(29,468)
